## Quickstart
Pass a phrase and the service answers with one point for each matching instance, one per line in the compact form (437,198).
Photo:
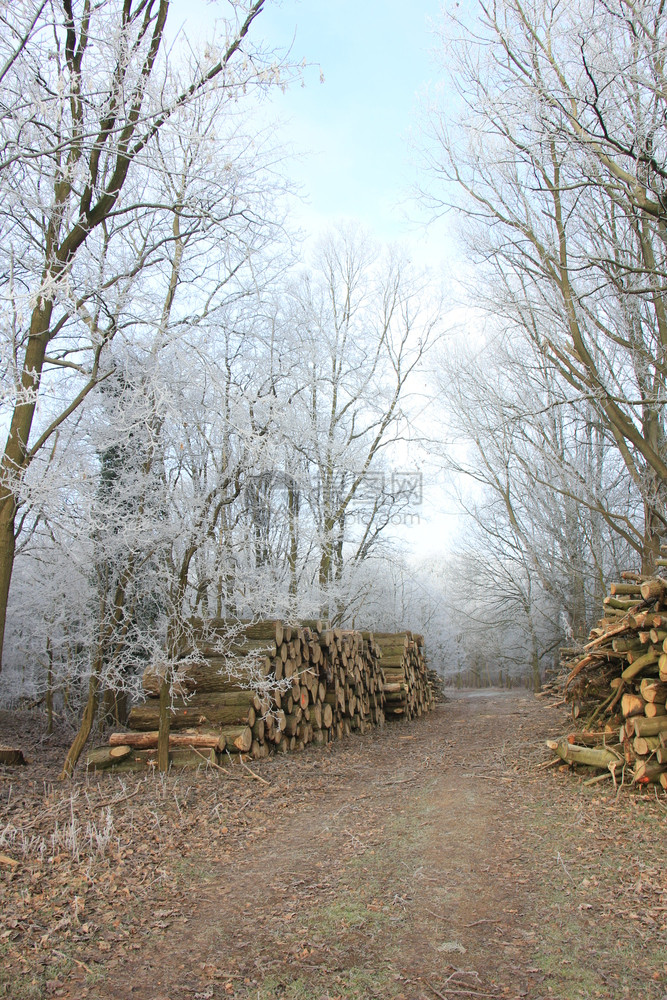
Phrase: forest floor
(431,859)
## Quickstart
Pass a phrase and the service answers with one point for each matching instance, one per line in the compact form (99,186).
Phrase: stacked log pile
(355,682)
(619,683)
(407,689)
(272,688)
(437,682)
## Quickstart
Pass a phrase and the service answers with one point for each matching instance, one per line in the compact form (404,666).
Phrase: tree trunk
(293,555)
(114,708)
(12,757)
(535,665)
(583,755)
(87,720)
(653,528)
(7,549)
(163,728)
(49,688)
(14,459)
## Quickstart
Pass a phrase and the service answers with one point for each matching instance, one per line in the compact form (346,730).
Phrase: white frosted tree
(362,324)
(87,92)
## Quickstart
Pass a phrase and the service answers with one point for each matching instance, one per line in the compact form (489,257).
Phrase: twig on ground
(549,763)
(558,858)
(82,965)
(123,798)
(212,763)
(255,776)
(356,840)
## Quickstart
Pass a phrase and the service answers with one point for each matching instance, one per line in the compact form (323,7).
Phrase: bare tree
(557,162)
(164,480)
(363,326)
(85,96)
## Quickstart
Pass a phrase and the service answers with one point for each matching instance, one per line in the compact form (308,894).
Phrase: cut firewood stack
(437,682)
(407,689)
(355,681)
(618,682)
(271,688)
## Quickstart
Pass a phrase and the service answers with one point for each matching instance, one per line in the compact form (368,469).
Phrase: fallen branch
(598,777)
(547,763)
(250,771)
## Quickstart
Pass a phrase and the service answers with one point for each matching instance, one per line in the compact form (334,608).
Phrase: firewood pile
(618,686)
(437,682)
(407,688)
(271,688)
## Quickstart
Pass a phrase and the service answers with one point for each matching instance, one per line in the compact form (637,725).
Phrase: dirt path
(427,860)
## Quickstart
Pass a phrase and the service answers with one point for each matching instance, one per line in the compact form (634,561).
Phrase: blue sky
(374,55)
(354,129)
